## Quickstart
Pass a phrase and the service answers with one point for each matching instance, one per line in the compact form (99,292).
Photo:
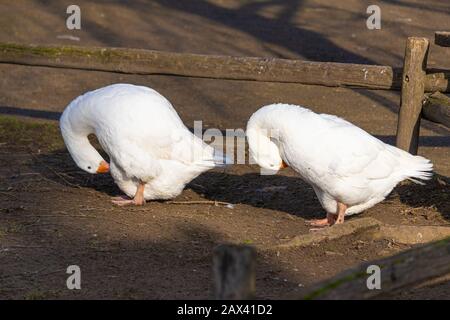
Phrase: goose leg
(341,208)
(138,199)
(328,221)
(331,218)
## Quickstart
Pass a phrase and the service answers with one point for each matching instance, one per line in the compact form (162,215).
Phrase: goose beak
(103,167)
(283,165)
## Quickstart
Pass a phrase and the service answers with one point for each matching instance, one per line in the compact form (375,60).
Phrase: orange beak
(283,165)
(103,167)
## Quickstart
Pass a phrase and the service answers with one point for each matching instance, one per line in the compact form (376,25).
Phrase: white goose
(152,153)
(349,169)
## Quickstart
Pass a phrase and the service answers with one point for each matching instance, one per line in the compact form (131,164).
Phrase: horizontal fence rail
(405,270)
(442,38)
(149,62)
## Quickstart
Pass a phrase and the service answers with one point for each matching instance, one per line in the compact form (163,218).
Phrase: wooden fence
(413,97)
(413,81)
(403,271)
(149,62)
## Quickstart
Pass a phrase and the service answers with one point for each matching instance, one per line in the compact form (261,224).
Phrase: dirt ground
(53,215)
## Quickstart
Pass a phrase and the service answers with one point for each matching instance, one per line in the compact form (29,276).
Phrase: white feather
(142,134)
(341,161)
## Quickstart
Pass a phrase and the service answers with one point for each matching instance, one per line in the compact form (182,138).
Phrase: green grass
(11,227)
(25,132)
(55,51)
(40,295)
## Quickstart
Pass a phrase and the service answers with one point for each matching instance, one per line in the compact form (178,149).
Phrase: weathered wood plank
(234,272)
(437,108)
(412,234)
(368,228)
(438,79)
(413,89)
(147,62)
(404,270)
(352,227)
(442,38)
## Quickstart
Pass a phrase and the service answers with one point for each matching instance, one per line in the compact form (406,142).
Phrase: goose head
(75,131)
(86,157)
(265,150)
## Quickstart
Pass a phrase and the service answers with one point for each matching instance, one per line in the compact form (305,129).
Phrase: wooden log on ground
(412,234)
(148,62)
(437,108)
(368,228)
(354,227)
(405,270)
(413,89)
(234,272)
(442,38)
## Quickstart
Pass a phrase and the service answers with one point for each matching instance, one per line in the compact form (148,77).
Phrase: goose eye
(89,167)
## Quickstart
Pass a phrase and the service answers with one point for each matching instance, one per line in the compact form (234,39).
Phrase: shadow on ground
(280,31)
(115,262)
(279,192)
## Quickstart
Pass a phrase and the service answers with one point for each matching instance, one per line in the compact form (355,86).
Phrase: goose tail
(221,159)
(418,168)
(214,158)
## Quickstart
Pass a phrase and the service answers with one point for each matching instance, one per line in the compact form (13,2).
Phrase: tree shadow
(425,141)
(32,113)
(114,267)
(280,192)
(276,192)
(292,195)
(59,167)
(434,193)
(279,31)
(421,6)
(96,30)
(380,99)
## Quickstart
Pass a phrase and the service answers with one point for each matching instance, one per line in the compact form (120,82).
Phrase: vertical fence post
(413,89)
(234,272)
